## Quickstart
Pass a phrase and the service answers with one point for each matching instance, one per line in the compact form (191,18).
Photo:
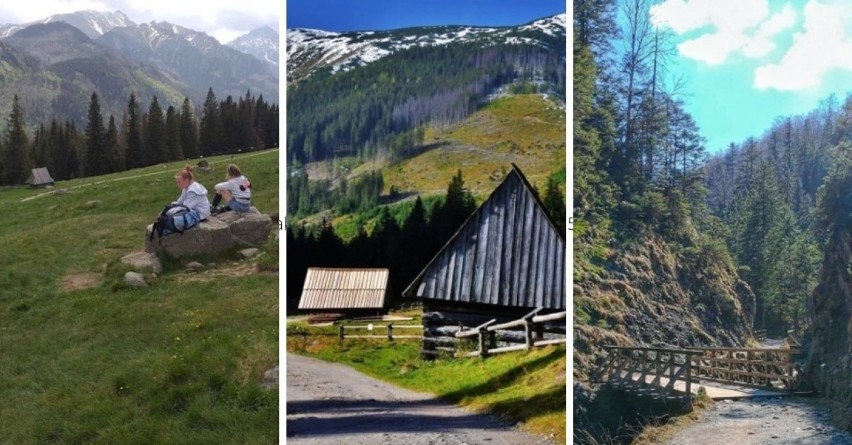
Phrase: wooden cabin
(40,177)
(351,292)
(506,260)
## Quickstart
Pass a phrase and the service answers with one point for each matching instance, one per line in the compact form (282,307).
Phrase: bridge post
(688,374)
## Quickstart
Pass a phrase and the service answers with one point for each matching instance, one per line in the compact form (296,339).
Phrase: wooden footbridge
(722,373)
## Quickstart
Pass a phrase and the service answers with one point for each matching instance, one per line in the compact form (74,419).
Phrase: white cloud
(735,26)
(32,10)
(762,42)
(824,45)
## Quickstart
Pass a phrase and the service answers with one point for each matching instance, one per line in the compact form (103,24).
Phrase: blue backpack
(175,218)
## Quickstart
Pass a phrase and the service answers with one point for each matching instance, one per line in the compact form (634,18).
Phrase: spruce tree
(554,204)
(173,146)
(113,148)
(155,138)
(210,131)
(188,131)
(97,162)
(135,155)
(16,157)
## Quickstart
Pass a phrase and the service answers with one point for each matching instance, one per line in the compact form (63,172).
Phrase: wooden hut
(347,291)
(39,177)
(506,260)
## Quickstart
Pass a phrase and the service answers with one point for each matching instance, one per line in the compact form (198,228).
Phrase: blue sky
(350,15)
(746,62)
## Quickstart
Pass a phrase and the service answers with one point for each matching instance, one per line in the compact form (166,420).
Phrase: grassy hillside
(525,387)
(86,360)
(527,130)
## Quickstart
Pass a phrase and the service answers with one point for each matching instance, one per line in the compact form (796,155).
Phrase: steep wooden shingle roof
(344,289)
(39,176)
(508,253)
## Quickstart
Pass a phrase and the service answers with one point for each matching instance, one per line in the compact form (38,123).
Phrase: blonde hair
(186,173)
(234,171)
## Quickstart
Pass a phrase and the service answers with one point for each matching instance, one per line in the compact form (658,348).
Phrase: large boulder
(143,262)
(212,237)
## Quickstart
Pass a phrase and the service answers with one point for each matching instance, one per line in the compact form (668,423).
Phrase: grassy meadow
(87,360)
(523,129)
(526,388)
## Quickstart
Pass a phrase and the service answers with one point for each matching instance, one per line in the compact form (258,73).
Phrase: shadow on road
(341,417)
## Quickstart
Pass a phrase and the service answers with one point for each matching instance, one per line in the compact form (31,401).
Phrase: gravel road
(773,421)
(329,403)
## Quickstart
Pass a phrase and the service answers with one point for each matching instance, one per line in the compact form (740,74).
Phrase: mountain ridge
(55,64)
(309,50)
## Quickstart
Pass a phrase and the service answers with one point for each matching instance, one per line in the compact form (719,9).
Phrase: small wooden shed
(349,291)
(507,259)
(39,177)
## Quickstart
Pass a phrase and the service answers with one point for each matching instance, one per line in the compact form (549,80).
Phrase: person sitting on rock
(193,195)
(190,208)
(236,192)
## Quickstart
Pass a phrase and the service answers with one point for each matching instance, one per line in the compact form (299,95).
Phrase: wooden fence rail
(531,324)
(672,372)
(760,368)
(341,331)
(659,371)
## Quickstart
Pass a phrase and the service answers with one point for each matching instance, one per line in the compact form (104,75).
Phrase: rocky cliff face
(646,294)
(829,364)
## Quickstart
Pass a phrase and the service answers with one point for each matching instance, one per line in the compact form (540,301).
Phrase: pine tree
(554,203)
(173,135)
(135,153)
(155,137)
(42,151)
(113,148)
(16,157)
(67,163)
(97,162)
(188,131)
(447,217)
(210,130)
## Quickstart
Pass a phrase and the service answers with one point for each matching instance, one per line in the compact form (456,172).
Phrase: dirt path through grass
(329,403)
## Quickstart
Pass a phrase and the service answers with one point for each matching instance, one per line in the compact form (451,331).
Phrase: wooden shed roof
(508,253)
(326,288)
(39,176)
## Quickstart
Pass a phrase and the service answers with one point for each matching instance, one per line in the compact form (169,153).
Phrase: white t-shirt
(239,187)
(195,197)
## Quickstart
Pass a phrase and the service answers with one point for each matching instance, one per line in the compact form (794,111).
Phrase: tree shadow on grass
(506,378)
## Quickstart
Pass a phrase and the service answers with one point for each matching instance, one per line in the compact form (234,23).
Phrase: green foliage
(307,197)
(366,110)
(523,88)
(404,247)
(16,158)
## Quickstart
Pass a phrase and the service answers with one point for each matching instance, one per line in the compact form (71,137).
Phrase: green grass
(522,129)
(523,387)
(178,362)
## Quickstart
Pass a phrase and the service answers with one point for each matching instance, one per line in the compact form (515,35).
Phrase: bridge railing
(761,368)
(664,371)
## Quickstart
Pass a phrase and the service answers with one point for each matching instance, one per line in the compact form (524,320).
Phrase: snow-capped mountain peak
(310,49)
(262,43)
(93,23)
